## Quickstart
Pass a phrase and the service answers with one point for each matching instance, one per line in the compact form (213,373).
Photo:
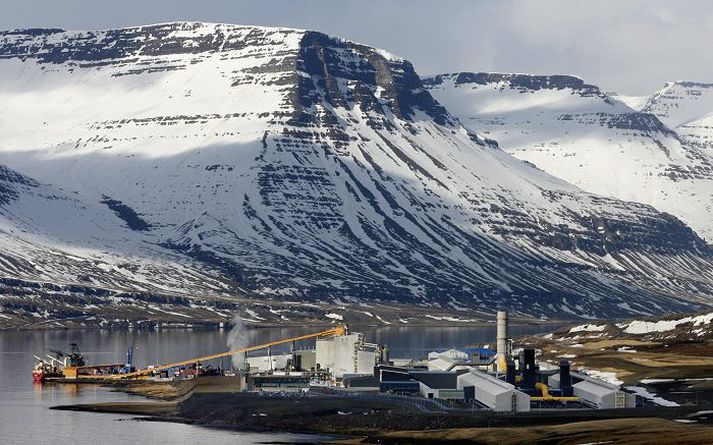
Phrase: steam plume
(238,338)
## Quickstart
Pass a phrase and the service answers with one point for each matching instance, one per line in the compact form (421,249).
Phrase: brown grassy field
(615,432)
(682,360)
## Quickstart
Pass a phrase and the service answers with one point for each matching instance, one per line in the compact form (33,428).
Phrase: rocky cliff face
(292,165)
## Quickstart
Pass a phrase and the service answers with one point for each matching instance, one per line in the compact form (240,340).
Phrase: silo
(502,340)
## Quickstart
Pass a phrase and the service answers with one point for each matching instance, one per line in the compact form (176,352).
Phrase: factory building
(497,379)
(283,382)
(324,353)
(300,360)
(502,380)
(428,392)
(438,384)
(347,354)
(266,363)
(453,354)
(305,359)
(594,392)
(454,360)
(396,380)
(443,363)
(436,379)
(339,356)
(603,395)
(492,392)
(403,362)
(360,382)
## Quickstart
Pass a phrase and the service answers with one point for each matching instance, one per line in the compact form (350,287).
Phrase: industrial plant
(505,379)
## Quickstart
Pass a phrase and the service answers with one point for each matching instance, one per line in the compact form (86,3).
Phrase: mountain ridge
(295,165)
(587,138)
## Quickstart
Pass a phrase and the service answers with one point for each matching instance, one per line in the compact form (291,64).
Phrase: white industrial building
(265,363)
(444,363)
(346,354)
(603,395)
(306,359)
(454,354)
(324,353)
(492,392)
(450,360)
(340,355)
(596,393)
(553,381)
(428,392)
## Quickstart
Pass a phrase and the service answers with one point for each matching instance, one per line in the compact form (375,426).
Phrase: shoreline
(320,416)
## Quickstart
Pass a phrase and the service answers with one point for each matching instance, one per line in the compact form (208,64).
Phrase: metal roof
(484,382)
(595,388)
(441,363)
(589,378)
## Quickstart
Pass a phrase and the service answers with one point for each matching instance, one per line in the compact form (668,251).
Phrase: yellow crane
(336,331)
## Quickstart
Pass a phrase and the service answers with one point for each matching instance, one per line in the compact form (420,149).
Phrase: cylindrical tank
(502,340)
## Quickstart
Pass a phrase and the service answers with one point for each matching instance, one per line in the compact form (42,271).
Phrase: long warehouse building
(492,392)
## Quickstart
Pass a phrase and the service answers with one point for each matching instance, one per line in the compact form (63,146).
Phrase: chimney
(565,379)
(502,341)
(528,370)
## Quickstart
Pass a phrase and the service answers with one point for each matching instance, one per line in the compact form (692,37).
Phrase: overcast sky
(632,46)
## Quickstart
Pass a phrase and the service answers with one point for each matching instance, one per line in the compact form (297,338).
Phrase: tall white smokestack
(502,341)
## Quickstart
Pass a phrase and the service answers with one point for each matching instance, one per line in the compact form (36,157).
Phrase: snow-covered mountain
(576,132)
(64,259)
(51,236)
(680,102)
(686,107)
(288,164)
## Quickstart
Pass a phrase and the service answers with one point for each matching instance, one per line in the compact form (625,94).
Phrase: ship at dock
(58,365)
(53,364)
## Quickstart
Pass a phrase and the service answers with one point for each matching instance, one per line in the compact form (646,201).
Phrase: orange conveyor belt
(337,331)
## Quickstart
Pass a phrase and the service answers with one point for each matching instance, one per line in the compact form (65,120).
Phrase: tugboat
(53,365)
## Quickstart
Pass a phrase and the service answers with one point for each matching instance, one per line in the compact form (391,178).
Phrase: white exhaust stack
(502,341)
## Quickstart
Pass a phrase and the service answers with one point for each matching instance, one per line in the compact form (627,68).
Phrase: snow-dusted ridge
(288,164)
(674,328)
(576,132)
(687,107)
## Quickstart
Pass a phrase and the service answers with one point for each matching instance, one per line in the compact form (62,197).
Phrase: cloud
(632,47)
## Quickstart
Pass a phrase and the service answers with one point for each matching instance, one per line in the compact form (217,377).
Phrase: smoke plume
(238,338)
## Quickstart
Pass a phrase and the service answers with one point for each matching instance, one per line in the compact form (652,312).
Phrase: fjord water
(25,417)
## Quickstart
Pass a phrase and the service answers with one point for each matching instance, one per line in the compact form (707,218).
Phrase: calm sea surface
(25,417)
